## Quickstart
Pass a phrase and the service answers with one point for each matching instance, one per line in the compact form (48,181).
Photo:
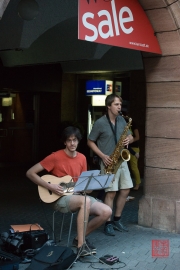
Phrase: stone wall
(137,98)
(159,207)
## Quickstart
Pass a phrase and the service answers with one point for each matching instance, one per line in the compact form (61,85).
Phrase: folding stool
(62,223)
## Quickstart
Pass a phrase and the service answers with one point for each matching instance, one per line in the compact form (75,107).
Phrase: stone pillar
(160,206)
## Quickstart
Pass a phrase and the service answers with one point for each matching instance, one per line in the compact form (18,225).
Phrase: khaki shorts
(122,178)
(62,204)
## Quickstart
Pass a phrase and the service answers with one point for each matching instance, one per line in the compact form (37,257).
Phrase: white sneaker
(129,198)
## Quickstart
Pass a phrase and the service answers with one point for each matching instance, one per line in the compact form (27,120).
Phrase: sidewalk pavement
(136,249)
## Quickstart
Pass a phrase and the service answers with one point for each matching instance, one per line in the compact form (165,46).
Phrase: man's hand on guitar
(57,189)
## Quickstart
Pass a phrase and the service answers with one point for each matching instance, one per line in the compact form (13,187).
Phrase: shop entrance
(133,93)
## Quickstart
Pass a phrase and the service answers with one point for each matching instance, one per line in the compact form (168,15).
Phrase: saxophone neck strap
(114,129)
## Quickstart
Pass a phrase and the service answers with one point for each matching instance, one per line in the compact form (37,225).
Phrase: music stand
(91,180)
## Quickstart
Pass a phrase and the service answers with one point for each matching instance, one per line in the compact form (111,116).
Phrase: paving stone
(171,267)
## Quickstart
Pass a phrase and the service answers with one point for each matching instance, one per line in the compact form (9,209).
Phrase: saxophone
(119,154)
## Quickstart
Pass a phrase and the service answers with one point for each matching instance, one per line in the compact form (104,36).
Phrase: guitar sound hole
(50,192)
(64,186)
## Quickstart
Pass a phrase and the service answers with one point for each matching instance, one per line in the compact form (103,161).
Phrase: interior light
(7,101)
(98,100)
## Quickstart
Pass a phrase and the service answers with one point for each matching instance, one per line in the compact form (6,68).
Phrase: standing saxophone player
(107,132)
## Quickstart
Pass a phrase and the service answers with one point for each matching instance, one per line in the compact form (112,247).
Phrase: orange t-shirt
(60,164)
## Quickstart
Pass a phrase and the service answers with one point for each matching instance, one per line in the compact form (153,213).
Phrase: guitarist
(69,161)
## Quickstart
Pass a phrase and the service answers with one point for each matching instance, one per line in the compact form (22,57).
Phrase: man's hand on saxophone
(107,160)
(129,139)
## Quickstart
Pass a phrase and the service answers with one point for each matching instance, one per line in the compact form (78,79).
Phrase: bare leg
(109,199)
(121,200)
(77,204)
(101,212)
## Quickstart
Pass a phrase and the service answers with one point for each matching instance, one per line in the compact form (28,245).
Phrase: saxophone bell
(125,154)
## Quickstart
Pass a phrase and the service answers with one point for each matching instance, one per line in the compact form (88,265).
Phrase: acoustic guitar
(48,196)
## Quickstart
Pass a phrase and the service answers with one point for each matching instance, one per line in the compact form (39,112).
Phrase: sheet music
(93,180)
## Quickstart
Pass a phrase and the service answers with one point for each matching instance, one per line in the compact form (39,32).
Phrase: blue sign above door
(95,88)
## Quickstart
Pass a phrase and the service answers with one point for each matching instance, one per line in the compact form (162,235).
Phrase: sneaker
(117,225)
(109,230)
(130,198)
(84,251)
(90,245)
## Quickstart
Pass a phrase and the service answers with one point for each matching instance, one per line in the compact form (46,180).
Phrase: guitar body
(48,196)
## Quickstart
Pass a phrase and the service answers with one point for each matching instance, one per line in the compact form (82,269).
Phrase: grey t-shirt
(103,134)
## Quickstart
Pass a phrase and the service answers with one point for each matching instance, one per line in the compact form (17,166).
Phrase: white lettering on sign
(124,20)
(103,23)
(90,26)
(94,91)
(118,24)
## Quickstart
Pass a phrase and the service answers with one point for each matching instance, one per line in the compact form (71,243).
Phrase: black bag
(8,261)
(18,242)
(12,242)
(53,258)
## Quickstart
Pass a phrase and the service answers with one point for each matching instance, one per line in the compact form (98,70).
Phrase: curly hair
(70,131)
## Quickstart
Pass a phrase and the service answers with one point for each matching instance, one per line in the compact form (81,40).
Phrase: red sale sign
(121,23)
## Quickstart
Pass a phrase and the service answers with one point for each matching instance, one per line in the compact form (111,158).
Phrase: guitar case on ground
(53,258)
